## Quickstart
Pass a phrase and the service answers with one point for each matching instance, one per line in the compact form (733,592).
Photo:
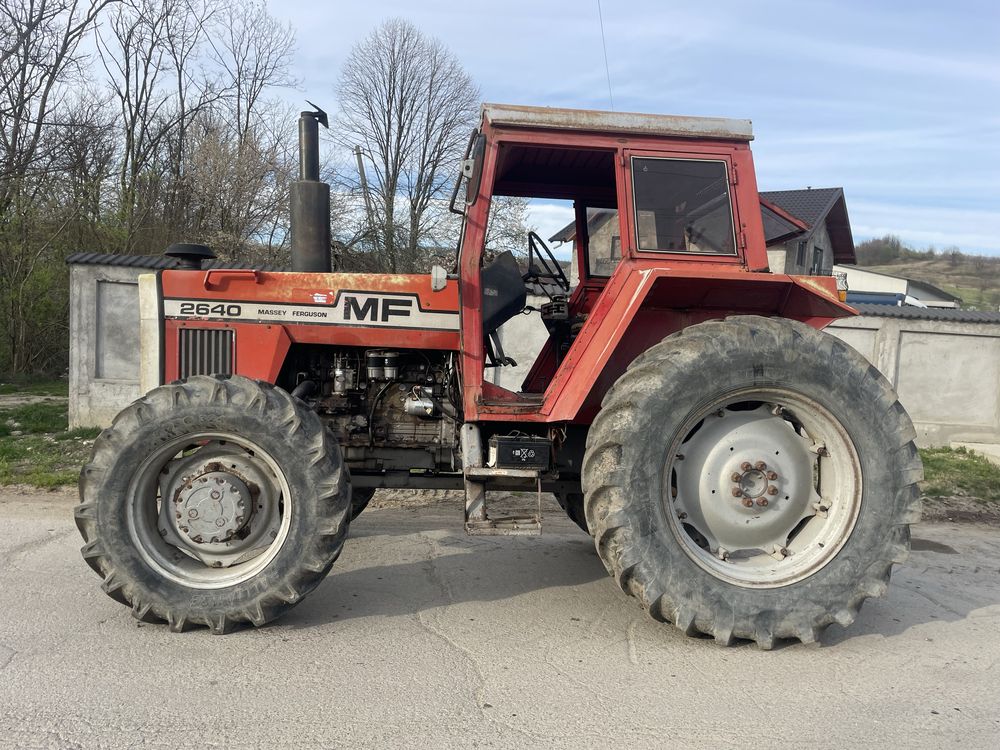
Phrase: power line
(604,44)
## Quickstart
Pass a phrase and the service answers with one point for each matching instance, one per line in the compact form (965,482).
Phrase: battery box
(519,452)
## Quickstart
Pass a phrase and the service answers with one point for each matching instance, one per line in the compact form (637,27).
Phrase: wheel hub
(745,481)
(212,507)
(752,483)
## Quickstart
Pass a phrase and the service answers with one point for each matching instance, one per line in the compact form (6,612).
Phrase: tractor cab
(666,220)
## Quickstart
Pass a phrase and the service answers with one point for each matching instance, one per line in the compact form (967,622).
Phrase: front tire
(780,493)
(215,501)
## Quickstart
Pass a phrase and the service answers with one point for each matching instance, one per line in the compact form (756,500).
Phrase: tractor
(743,474)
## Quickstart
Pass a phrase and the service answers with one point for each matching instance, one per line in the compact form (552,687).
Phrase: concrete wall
(947,374)
(103,343)
(522,337)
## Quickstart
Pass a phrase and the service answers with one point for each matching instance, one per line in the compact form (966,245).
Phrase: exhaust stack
(310,200)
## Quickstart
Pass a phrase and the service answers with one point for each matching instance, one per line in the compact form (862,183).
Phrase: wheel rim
(209,510)
(763,487)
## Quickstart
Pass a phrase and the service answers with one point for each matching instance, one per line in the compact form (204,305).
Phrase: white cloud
(549,217)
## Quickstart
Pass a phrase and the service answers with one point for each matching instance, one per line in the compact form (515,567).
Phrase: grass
(38,448)
(33,387)
(956,471)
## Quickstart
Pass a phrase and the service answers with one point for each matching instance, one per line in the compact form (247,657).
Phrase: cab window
(604,241)
(682,206)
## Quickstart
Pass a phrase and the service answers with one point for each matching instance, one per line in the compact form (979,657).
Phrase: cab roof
(632,123)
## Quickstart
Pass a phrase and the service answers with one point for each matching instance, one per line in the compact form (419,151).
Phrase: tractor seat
(504,292)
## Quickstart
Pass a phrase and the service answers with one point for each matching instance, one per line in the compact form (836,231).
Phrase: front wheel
(214,501)
(779,495)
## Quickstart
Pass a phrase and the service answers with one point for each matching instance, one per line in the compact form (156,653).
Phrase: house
(864,285)
(807,231)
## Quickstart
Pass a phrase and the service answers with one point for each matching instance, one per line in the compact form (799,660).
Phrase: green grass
(957,471)
(37,448)
(34,419)
(33,387)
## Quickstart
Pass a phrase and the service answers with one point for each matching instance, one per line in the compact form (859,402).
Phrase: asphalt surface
(425,638)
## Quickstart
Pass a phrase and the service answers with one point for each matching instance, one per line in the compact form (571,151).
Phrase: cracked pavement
(423,637)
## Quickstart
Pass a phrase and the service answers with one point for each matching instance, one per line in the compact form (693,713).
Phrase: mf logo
(376,308)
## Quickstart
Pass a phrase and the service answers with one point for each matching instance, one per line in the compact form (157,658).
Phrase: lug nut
(746,466)
(747,502)
(762,502)
(737,492)
(214,494)
(736,476)
(772,490)
(220,522)
(772,476)
(192,513)
(760,466)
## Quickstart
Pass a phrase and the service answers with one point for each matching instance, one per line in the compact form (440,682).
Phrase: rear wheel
(779,495)
(214,501)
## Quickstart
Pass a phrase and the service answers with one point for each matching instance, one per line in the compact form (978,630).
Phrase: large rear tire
(751,479)
(215,501)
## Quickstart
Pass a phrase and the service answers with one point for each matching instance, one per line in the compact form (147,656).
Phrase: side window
(683,206)
(604,245)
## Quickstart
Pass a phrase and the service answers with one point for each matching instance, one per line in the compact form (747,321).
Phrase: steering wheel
(548,267)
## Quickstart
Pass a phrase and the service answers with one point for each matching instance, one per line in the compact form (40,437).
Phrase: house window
(817,264)
(683,206)
(800,255)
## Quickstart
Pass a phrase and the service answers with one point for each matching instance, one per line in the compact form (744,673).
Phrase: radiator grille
(205,351)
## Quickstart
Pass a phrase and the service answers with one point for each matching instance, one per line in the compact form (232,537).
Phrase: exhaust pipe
(310,200)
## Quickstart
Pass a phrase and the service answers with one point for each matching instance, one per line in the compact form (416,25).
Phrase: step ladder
(478,521)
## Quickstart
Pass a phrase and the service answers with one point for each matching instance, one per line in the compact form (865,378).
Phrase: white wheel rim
(154,526)
(763,488)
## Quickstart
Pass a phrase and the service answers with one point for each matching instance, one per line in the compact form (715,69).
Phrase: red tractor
(742,473)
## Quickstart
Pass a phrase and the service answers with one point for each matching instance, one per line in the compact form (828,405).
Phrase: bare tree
(407,101)
(41,57)
(255,52)
(41,51)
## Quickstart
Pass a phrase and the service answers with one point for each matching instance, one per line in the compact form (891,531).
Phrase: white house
(862,283)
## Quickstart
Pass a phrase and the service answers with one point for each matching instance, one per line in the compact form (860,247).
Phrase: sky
(896,102)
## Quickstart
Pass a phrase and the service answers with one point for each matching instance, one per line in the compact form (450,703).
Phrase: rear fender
(640,308)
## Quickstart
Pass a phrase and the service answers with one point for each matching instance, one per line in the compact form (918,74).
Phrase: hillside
(976,279)
(973,278)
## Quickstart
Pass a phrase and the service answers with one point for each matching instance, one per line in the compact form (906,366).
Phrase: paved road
(426,638)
